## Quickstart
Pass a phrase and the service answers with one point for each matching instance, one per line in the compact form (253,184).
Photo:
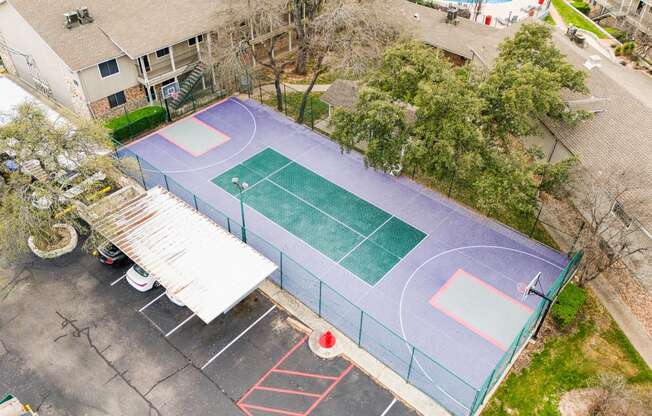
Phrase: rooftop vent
(77,17)
(451,15)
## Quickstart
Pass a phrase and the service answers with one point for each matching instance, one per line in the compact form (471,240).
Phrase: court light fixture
(242,186)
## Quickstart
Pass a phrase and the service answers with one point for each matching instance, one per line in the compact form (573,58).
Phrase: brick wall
(135,99)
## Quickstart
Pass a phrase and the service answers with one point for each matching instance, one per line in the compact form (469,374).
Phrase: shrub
(582,7)
(570,301)
(131,125)
(621,35)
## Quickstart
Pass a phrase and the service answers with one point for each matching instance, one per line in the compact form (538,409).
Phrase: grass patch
(620,35)
(594,346)
(548,19)
(565,310)
(571,17)
(316,109)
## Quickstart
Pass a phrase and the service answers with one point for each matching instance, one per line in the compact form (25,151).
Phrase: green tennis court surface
(361,237)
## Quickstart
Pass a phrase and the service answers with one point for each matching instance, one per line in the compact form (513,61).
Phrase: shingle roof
(342,93)
(132,27)
(619,135)
(466,38)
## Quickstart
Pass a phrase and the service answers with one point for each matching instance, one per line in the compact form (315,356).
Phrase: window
(162,52)
(195,40)
(640,7)
(109,68)
(117,99)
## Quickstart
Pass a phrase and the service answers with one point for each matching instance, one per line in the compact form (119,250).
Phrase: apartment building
(98,57)
(632,15)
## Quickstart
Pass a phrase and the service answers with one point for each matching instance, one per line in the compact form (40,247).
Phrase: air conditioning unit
(72,19)
(84,16)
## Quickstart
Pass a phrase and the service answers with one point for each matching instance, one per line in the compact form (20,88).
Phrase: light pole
(242,186)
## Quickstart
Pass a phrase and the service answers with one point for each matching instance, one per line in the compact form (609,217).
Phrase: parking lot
(77,339)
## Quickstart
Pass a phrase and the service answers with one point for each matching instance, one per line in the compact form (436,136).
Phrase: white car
(174,299)
(140,280)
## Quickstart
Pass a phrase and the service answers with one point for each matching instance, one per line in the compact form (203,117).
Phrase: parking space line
(302,374)
(389,407)
(269,409)
(238,337)
(287,391)
(241,402)
(179,326)
(149,304)
(153,323)
(329,389)
(121,277)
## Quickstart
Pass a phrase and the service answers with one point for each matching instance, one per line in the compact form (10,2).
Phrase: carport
(200,263)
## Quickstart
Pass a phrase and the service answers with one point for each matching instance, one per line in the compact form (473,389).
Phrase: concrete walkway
(303,87)
(632,328)
(407,393)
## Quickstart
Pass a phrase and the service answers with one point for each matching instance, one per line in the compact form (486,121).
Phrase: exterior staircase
(188,84)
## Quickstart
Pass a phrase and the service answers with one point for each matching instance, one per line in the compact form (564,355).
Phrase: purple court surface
(440,297)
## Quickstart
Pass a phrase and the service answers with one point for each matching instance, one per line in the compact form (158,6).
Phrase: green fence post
(228,224)
(285,101)
(281,269)
(165,177)
(360,330)
(481,394)
(194,198)
(140,167)
(320,286)
(407,378)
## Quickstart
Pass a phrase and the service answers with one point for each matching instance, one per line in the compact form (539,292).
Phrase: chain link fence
(452,391)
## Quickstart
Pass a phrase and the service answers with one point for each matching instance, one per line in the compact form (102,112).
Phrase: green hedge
(133,124)
(568,304)
(582,7)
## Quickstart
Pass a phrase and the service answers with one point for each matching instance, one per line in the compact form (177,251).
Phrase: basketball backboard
(170,90)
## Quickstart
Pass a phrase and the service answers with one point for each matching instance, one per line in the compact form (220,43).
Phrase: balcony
(161,69)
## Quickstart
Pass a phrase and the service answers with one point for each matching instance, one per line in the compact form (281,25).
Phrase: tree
(378,123)
(609,204)
(346,35)
(43,162)
(527,82)
(303,11)
(256,24)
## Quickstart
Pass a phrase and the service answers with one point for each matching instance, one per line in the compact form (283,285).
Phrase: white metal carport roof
(200,263)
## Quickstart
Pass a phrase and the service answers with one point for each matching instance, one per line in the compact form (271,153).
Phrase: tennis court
(352,232)
(430,288)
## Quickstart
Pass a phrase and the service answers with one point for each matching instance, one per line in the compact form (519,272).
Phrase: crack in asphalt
(169,376)
(85,331)
(14,281)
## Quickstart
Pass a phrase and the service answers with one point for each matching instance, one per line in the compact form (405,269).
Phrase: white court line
(365,239)
(389,407)
(179,326)
(238,337)
(116,281)
(154,300)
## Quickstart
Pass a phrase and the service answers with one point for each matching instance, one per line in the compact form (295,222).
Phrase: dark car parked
(110,254)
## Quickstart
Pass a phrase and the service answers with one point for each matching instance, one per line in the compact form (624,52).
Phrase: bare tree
(252,26)
(303,11)
(347,35)
(611,204)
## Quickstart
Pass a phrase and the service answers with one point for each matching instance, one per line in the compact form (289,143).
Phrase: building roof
(466,38)
(619,135)
(120,27)
(201,264)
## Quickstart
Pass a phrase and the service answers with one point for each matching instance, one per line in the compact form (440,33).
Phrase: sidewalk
(632,328)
